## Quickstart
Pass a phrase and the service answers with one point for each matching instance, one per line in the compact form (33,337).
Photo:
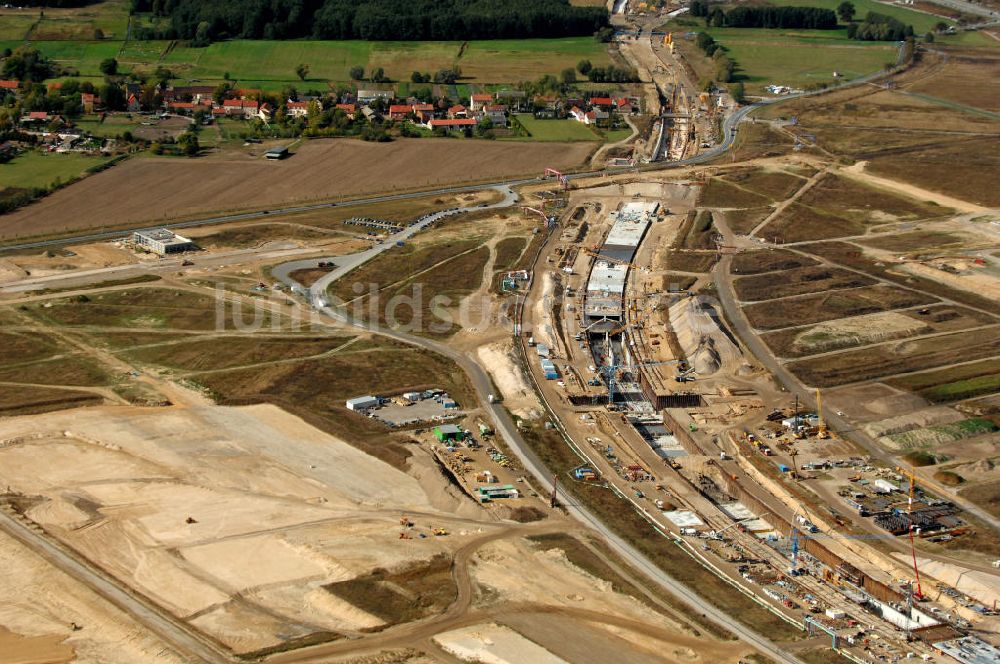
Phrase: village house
(7,87)
(195,93)
(240,108)
(399,111)
(424,112)
(88,101)
(603,103)
(450,124)
(458,111)
(478,101)
(298,109)
(496,114)
(368,96)
(350,109)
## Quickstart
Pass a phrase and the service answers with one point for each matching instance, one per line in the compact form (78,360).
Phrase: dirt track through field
(145,191)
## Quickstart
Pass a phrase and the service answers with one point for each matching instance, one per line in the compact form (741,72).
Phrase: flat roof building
(358,404)
(446,432)
(161,241)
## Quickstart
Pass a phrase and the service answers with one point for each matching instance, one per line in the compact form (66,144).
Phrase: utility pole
(555,487)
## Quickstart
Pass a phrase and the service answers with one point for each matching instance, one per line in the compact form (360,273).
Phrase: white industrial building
(361,404)
(161,241)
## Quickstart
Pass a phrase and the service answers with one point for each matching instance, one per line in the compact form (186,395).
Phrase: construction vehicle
(405,522)
(439,532)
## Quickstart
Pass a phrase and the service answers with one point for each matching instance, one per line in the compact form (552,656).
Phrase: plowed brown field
(144,191)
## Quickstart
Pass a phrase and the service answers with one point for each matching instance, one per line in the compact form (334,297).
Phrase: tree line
(805,18)
(375,20)
(879,27)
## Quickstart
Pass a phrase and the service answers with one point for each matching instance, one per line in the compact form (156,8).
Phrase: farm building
(447,432)
(161,241)
(359,404)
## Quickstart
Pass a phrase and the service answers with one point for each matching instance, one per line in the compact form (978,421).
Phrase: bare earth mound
(146,191)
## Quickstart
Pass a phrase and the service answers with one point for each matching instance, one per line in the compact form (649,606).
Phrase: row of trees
(878,27)
(204,22)
(802,18)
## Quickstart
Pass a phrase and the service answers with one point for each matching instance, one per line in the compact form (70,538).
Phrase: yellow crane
(913,549)
(821,431)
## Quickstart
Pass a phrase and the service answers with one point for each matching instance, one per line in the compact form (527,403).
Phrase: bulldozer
(440,532)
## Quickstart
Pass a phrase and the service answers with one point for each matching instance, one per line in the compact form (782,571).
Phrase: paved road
(172,631)
(349,262)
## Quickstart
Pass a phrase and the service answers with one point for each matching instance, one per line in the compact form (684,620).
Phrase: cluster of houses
(372,105)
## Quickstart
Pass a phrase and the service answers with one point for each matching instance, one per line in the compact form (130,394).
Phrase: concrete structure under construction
(606,285)
(161,241)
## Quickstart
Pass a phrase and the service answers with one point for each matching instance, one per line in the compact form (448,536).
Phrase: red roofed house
(240,107)
(9,84)
(601,102)
(350,109)
(181,106)
(624,106)
(454,123)
(424,112)
(87,101)
(399,111)
(476,102)
(298,109)
(458,111)
(35,116)
(132,104)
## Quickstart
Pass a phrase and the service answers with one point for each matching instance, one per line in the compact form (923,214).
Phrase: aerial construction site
(652,367)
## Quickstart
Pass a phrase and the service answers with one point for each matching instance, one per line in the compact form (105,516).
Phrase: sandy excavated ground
(229,517)
(517,394)
(39,606)
(150,189)
(608,625)
(494,644)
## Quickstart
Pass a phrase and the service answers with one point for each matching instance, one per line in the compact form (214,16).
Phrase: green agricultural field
(40,169)
(271,64)
(799,58)
(110,17)
(556,130)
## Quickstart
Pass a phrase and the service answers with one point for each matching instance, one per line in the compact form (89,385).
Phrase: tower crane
(913,549)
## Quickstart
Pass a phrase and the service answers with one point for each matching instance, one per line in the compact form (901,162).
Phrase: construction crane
(546,219)
(551,172)
(611,372)
(913,549)
(821,431)
(794,569)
